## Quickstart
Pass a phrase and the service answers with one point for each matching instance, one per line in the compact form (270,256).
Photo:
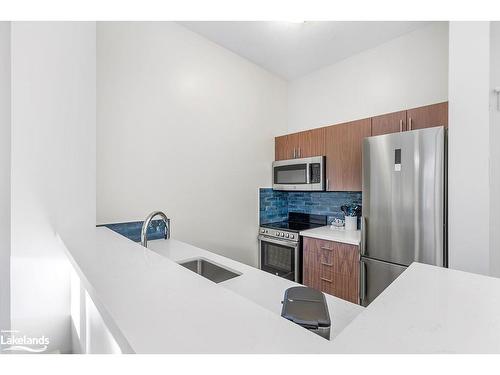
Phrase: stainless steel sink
(209,270)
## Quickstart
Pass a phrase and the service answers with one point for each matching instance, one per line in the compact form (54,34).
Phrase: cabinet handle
(299,152)
(400,125)
(363,235)
(362,281)
(327,264)
(294,151)
(323,279)
(409,123)
(327,183)
(326,248)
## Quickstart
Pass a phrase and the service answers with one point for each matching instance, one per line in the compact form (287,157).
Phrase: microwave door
(292,174)
(306,174)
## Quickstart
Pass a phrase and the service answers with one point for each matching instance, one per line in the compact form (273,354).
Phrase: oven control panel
(282,234)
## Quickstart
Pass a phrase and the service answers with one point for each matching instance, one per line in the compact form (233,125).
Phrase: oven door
(306,174)
(280,257)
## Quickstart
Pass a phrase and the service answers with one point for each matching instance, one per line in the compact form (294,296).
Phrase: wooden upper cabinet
(428,116)
(390,123)
(280,150)
(300,145)
(343,149)
(311,143)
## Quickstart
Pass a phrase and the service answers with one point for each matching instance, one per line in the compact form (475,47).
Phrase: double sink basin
(209,270)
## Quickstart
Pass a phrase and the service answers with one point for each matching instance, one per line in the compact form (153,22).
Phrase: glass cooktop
(291,226)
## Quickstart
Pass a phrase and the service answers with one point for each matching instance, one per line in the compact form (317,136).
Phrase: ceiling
(293,49)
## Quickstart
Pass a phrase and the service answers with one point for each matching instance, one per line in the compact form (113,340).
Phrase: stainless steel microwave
(305,174)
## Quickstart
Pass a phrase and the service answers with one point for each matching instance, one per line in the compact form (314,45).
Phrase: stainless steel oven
(305,174)
(280,255)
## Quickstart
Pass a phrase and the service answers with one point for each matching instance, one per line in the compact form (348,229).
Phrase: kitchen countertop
(151,304)
(262,288)
(429,309)
(331,234)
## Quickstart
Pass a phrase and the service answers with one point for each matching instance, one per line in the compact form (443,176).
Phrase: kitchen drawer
(331,267)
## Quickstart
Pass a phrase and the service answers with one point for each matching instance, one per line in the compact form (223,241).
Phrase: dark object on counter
(307,307)
(351,209)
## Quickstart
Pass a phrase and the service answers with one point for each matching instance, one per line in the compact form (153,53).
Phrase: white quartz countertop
(331,234)
(429,309)
(262,288)
(151,304)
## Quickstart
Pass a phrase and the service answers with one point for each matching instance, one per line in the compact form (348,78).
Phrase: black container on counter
(307,307)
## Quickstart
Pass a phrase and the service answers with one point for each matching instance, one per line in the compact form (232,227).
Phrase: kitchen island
(429,309)
(151,304)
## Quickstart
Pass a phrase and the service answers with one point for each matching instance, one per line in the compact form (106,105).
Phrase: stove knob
(282,234)
(292,236)
(262,231)
(287,235)
(278,234)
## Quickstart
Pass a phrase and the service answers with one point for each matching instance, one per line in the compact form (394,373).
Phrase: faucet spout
(147,221)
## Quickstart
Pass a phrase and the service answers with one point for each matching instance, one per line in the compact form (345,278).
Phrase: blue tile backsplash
(275,205)
(132,230)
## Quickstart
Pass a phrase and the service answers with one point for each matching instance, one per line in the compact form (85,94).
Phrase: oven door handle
(279,242)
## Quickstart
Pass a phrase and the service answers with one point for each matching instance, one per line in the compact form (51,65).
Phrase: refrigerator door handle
(362,281)
(363,235)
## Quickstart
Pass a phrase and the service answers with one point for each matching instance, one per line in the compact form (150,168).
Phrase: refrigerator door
(403,197)
(375,277)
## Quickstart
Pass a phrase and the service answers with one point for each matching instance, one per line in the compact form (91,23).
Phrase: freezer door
(375,276)
(403,197)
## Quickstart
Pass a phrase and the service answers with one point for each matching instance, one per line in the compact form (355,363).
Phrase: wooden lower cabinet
(331,267)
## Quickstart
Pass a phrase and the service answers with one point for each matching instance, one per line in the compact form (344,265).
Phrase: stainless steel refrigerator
(404,206)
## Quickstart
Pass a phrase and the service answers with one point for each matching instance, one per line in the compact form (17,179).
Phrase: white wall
(409,71)
(469,185)
(4,176)
(187,127)
(494,151)
(53,168)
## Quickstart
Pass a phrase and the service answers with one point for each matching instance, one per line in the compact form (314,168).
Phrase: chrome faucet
(147,221)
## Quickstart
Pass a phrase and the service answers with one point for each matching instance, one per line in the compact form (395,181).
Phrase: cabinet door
(343,148)
(389,123)
(346,272)
(280,150)
(300,145)
(311,143)
(310,264)
(428,116)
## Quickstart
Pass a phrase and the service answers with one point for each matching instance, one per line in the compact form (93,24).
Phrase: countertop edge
(328,234)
